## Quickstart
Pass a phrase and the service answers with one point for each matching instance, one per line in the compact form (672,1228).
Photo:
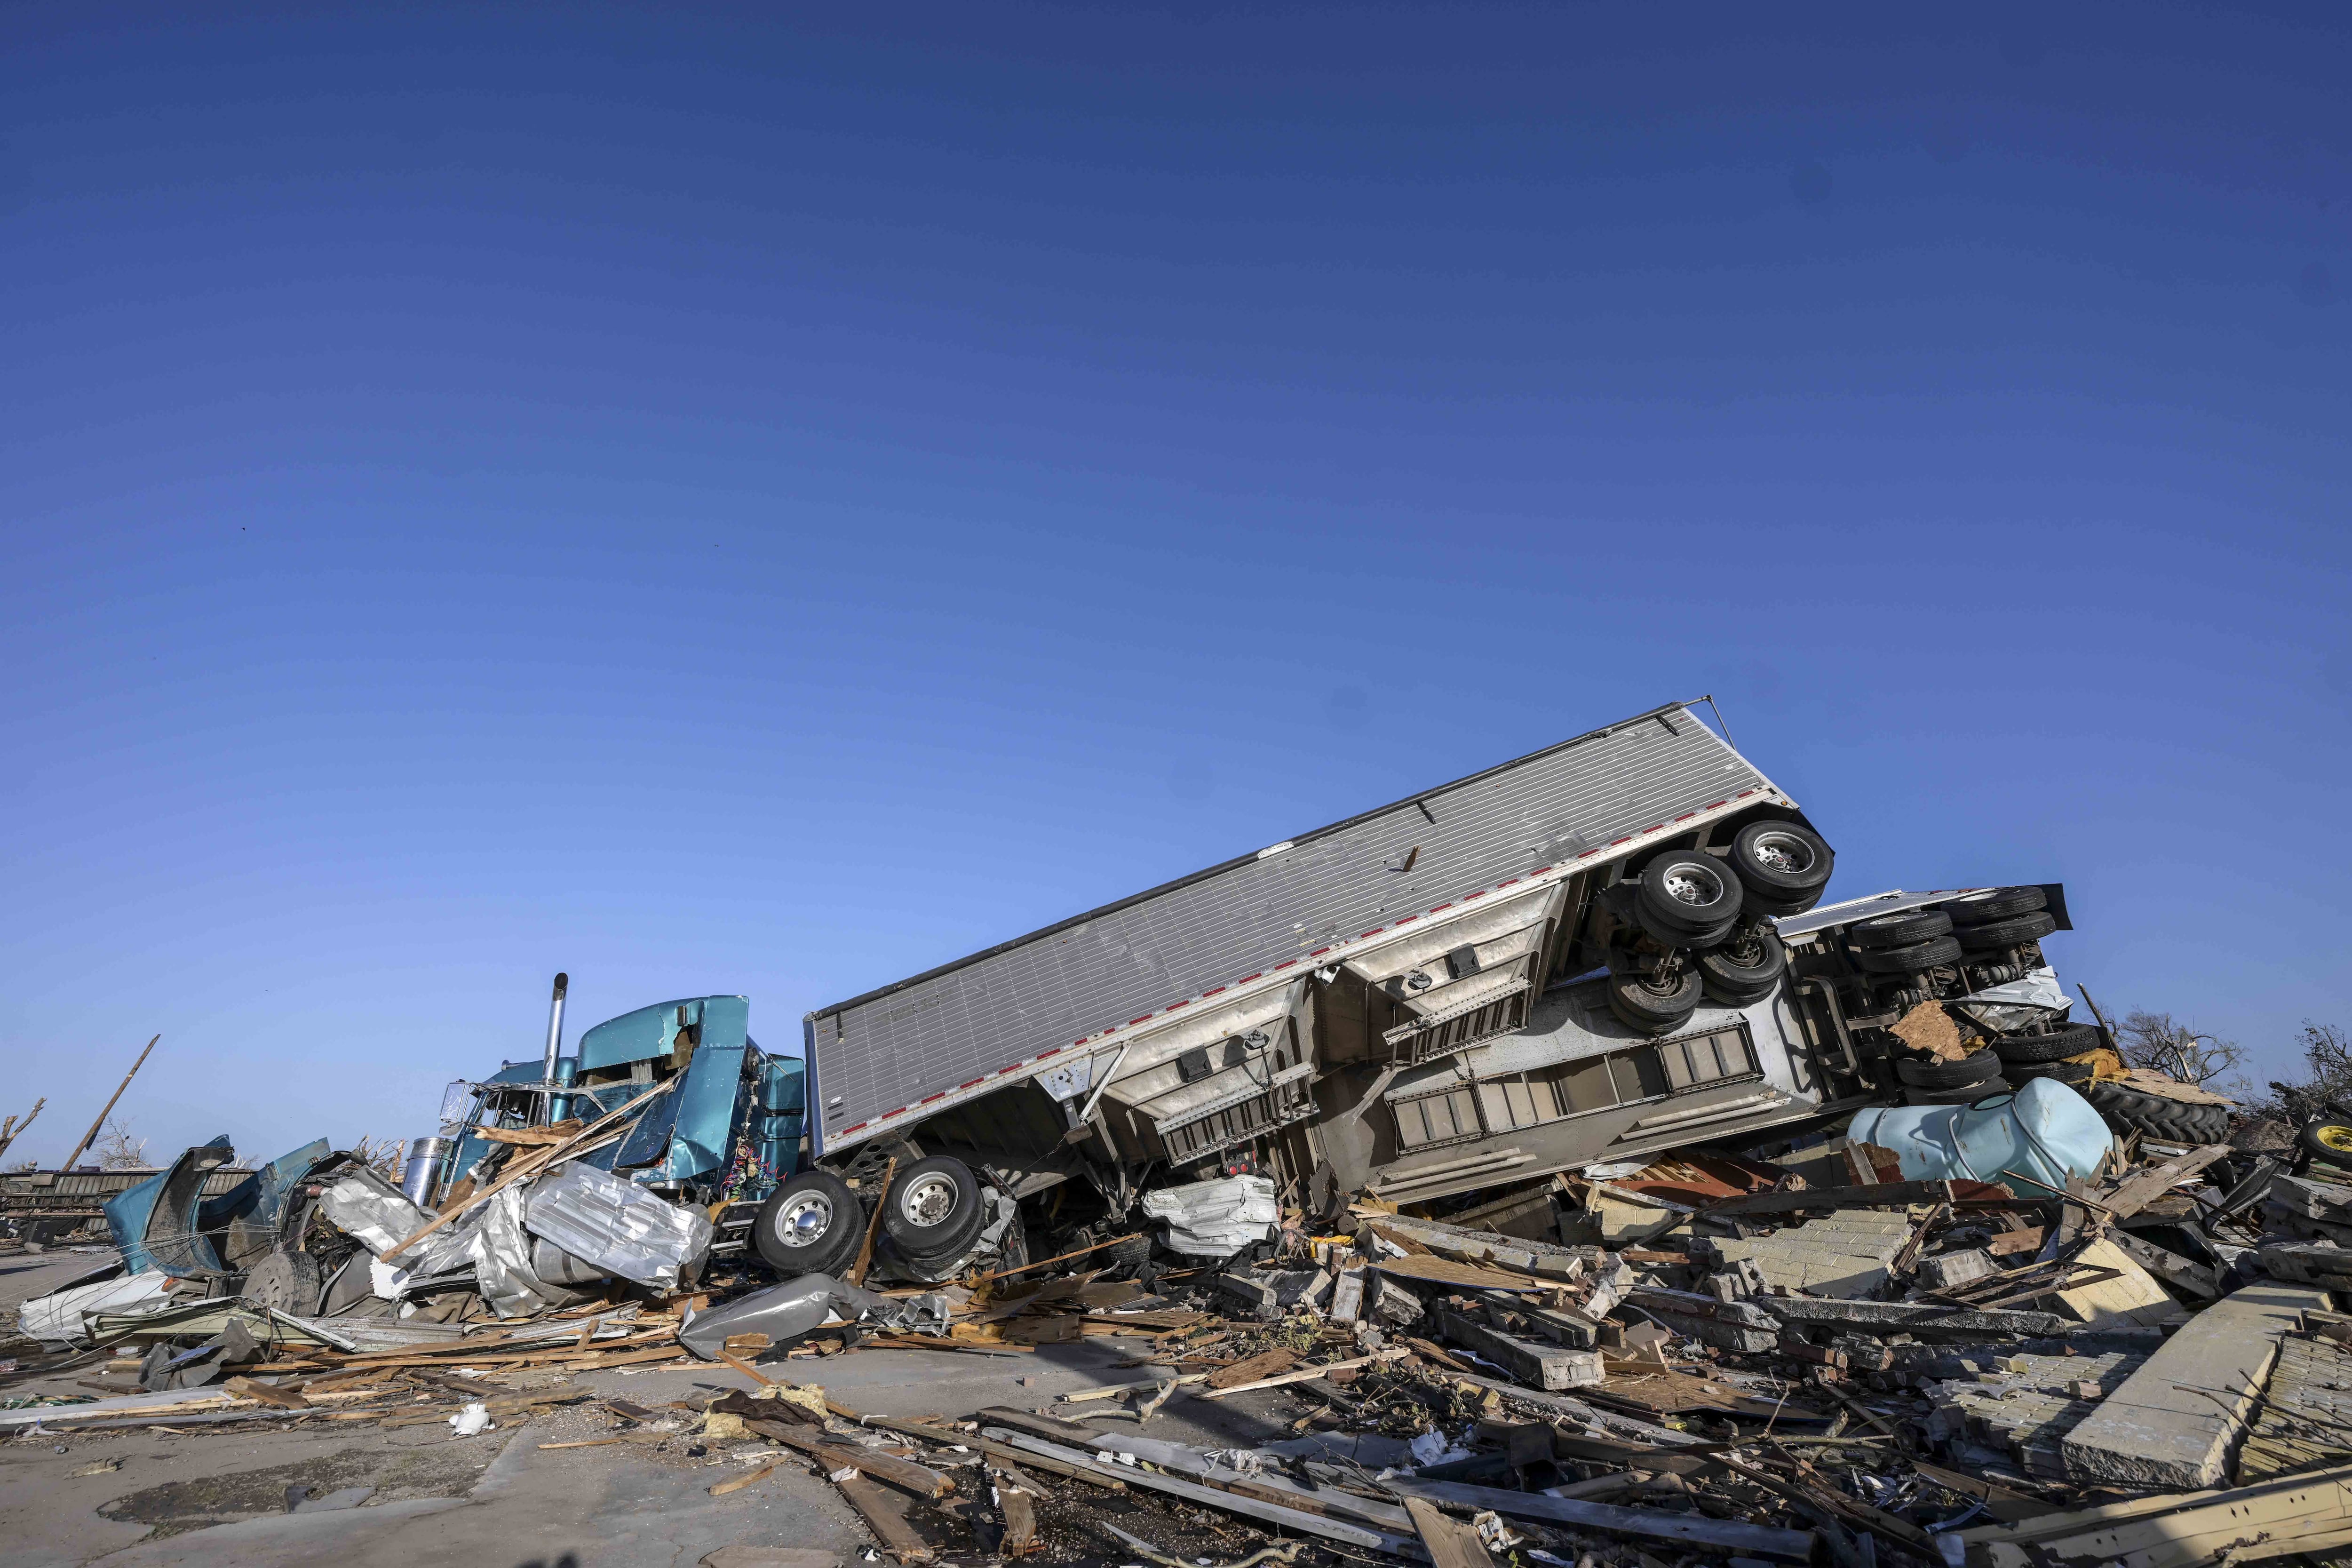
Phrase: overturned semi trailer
(1573,958)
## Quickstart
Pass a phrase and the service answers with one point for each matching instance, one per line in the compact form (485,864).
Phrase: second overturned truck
(1607,949)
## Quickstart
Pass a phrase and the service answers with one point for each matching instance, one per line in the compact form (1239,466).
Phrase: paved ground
(499,1501)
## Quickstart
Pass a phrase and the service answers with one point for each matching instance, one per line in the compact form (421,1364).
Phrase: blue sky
(717,501)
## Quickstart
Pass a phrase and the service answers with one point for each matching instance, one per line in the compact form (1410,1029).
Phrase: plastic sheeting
(371,1210)
(1215,1220)
(616,1225)
(61,1318)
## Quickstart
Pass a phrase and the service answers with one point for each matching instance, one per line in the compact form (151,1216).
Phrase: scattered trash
(475,1418)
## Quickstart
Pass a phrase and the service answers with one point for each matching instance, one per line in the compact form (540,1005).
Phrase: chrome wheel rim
(1695,885)
(1782,852)
(805,1218)
(928,1200)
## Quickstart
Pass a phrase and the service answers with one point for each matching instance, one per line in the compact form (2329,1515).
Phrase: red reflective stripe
(1467,896)
(1317,953)
(1588,854)
(1435,909)
(1286,963)
(1132,1022)
(853,1127)
(1710,806)
(1212,991)
(1614,842)
(1685,817)
(1247,978)
(1374,932)
(1407,919)
(1506,881)
(928,1097)
(973,1084)
(1656,827)
(1538,870)
(1173,1006)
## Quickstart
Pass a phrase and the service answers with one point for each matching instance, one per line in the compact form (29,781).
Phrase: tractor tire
(1978,1066)
(2326,1139)
(2065,1040)
(813,1224)
(2076,1076)
(1994,904)
(934,1211)
(1650,1006)
(2014,932)
(1899,931)
(2153,1116)
(1783,863)
(1969,1095)
(1916,958)
(1684,898)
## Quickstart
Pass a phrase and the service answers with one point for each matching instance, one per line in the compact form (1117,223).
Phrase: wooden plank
(1435,1270)
(1723,1535)
(270,1394)
(885,1516)
(2193,1277)
(1255,1367)
(919,1479)
(1451,1543)
(1298,1374)
(2309,1513)
(1883,1194)
(723,1488)
(2007,1506)
(2136,1192)
(992,1447)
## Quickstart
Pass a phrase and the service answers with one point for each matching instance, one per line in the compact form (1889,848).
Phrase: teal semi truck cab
(727,1132)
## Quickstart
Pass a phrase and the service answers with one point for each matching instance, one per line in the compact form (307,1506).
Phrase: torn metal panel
(616,1225)
(1215,1220)
(787,1313)
(62,1317)
(949,1032)
(371,1210)
(1209,1082)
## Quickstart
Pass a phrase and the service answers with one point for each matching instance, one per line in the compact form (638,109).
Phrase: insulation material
(617,1226)
(1215,1220)
(371,1210)
(61,1318)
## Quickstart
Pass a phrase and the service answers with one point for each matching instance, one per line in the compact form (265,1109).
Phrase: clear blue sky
(715,502)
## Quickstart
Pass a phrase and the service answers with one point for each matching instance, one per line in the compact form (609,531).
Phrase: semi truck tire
(288,1281)
(2014,932)
(1994,904)
(2075,1076)
(1900,931)
(1745,967)
(933,1212)
(1648,1005)
(1914,959)
(2153,1116)
(1976,1067)
(1967,1094)
(2065,1040)
(1783,863)
(813,1224)
(1684,897)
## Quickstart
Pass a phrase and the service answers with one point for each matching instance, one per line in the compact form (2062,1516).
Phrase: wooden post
(92,1136)
(12,1130)
(856,1275)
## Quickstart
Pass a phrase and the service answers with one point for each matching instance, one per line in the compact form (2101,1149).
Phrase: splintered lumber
(1451,1543)
(1013,1495)
(1295,1520)
(1914,1317)
(1885,1195)
(1255,1367)
(1461,1275)
(723,1488)
(2143,1187)
(1999,1501)
(1113,1390)
(919,1479)
(269,1393)
(885,1516)
(2170,1267)
(1296,1374)
(1725,1535)
(2309,1513)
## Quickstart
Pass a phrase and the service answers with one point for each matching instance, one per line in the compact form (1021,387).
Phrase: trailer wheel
(813,1224)
(288,1281)
(1994,904)
(1783,862)
(1650,1004)
(2065,1040)
(1976,1067)
(1684,897)
(2014,932)
(2326,1139)
(933,1212)
(1916,958)
(1746,968)
(1899,931)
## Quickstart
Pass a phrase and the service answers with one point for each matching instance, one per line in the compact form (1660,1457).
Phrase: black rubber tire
(1965,1096)
(791,1245)
(2014,932)
(1977,1067)
(2153,1116)
(1758,903)
(1747,967)
(1684,898)
(1910,927)
(2065,1040)
(1784,861)
(2074,1075)
(934,1211)
(1641,1006)
(1994,904)
(1913,960)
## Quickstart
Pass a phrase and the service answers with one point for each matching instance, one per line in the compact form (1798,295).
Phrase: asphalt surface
(421,1495)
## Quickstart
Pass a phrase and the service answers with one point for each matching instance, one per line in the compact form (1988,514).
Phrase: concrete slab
(2132,1297)
(2174,1423)
(1843,1255)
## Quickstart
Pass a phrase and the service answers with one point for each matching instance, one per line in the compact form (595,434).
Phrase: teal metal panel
(648,1032)
(703,1136)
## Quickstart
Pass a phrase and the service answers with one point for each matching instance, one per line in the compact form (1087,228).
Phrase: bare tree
(2160,1041)
(385,1156)
(120,1150)
(2327,1064)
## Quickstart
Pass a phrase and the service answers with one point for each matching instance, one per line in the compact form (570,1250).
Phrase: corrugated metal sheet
(938,1033)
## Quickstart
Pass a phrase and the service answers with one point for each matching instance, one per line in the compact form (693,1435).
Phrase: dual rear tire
(816,1223)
